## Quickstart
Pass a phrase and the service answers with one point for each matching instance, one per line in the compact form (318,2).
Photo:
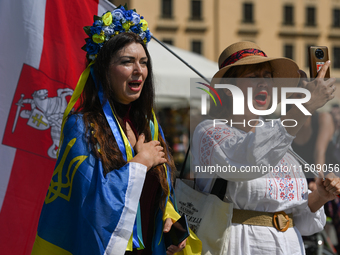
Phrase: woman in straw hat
(111,190)
(272,204)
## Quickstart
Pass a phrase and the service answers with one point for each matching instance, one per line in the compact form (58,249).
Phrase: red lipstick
(261,97)
(135,85)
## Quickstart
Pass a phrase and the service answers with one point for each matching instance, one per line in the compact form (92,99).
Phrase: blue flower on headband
(92,48)
(108,31)
(117,14)
(142,35)
(148,35)
(135,18)
(128,15)
(96,30)
(135,29)
(118,27)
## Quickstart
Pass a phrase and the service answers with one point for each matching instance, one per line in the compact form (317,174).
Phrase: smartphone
(318,55)
(178,232)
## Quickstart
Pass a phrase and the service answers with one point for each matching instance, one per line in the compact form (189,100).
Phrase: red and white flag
(41,61)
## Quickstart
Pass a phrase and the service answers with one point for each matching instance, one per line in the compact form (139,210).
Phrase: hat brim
(281,67)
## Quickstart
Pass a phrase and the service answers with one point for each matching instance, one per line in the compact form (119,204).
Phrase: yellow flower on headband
(145,24)
(127,25)
(107,19)
(98,38)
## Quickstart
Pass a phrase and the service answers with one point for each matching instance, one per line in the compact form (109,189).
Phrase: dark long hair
(140,112)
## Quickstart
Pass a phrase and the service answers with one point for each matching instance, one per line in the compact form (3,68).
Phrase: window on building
(310,16)
(336,57)
(248,16)
(196,9)
(288,15)
(336,17)
(166,8)
(289,51)
(196,46)
(168,41)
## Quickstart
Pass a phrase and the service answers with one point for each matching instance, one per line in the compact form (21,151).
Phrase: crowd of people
(115,155)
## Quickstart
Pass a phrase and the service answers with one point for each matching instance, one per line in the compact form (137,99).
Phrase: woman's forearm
(294,114)
(315,201)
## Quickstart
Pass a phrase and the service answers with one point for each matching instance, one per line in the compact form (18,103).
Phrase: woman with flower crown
(111,190)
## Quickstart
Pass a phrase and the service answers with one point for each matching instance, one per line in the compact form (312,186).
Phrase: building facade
(280,27)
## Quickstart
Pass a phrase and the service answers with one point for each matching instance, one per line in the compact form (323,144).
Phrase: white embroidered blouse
(245,159)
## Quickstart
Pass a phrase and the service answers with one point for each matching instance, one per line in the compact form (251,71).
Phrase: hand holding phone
(322,90)
(318,55)
(178,233)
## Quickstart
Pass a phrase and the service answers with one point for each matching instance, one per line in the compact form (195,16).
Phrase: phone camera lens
(319,53)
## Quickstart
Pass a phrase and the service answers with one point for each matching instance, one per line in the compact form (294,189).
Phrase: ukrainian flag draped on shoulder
(86,212)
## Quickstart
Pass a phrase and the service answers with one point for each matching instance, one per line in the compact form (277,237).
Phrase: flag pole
(166,47)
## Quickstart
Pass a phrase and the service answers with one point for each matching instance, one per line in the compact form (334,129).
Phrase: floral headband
(113,23)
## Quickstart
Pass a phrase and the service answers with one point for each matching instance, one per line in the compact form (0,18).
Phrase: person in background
(314,144)
(332,208)
(335,112)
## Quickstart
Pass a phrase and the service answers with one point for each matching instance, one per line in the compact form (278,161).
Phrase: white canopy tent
(172,76)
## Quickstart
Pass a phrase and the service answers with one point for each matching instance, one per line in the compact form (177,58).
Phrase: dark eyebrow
(130,57)
(126,57)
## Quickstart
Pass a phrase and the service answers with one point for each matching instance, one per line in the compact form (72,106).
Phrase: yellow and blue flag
(85,212)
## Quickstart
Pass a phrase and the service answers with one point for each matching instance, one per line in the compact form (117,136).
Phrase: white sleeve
(223,146)
(308,222)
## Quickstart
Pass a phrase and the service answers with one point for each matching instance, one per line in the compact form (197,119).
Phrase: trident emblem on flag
(57,188)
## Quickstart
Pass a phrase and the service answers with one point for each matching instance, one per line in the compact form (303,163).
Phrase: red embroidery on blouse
(212,137)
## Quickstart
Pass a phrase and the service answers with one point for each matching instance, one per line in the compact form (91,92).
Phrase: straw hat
(247,53)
